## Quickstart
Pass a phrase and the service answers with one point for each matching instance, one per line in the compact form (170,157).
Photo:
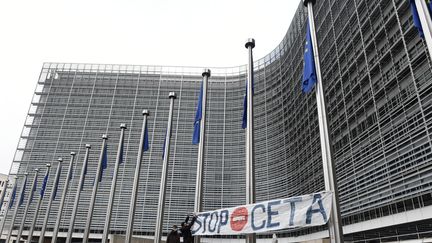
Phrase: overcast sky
(200,33)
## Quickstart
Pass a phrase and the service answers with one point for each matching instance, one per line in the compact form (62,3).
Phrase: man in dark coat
(186,229)
(173,236)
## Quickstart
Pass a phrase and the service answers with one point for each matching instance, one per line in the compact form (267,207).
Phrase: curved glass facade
(378,87)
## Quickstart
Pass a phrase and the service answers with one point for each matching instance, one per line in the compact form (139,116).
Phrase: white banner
(294,212)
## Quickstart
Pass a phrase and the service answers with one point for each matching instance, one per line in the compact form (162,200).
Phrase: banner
(294,212)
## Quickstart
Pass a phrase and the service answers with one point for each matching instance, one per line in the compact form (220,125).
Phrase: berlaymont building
(378,86)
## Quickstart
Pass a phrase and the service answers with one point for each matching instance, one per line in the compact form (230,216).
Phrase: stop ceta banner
(293,212)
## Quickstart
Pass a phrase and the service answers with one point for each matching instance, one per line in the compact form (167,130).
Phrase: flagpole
(129,231)
(21,228)
(60,210)
(77,198)
(32,226)
(113,184)
(47,213)
(200,164)
(335,223)
(16,208)
(250,146)
(162,191)
(94,192)
(426,22)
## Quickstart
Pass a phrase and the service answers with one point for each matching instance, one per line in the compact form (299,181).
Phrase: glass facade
(378,87)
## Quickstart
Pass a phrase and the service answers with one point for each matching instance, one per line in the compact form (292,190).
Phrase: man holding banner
(294,212)
(186,229)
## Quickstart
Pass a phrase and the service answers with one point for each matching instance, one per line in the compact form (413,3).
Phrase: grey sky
(199,33)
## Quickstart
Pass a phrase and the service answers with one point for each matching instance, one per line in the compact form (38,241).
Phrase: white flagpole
(250,143)
(32,226)
(60,210)
(16,209)
(162,191)
(21,228)
(94,192)
(48,210)
(129,231)
(426,22)
(335,223)
(77,198)
(113,185)
(200,164)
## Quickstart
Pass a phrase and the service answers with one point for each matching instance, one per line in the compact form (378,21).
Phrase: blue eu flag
(56,183)
(104,162)
(83,178)
(12,200)
(121,152)
(44,183)
(309,72)
(416,18)
(430,7)
(33,190)
(146,140)
(198,117)
(244,121)
(70,174)
(23,193)
(163,148)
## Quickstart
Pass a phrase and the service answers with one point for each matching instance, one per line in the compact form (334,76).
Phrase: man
(186,229)
(173,236)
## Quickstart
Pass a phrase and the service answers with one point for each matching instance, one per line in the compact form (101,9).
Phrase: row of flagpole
(101,166)
(198,138)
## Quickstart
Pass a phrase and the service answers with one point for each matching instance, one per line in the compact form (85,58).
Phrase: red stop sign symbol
(239,218)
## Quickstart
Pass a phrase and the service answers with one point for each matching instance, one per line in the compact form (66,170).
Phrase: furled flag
(70,173)
(146,141)
(56,183)
(121,152)
(416,18)
(83,178)
(163,148)
(430,7)
(198,117)
(309,72)
(44,183)
(104,162)
(33,189)
(244,123)
(23,192)
(12,200)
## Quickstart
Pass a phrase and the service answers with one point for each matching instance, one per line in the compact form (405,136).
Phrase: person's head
(174,227)
(183,224)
